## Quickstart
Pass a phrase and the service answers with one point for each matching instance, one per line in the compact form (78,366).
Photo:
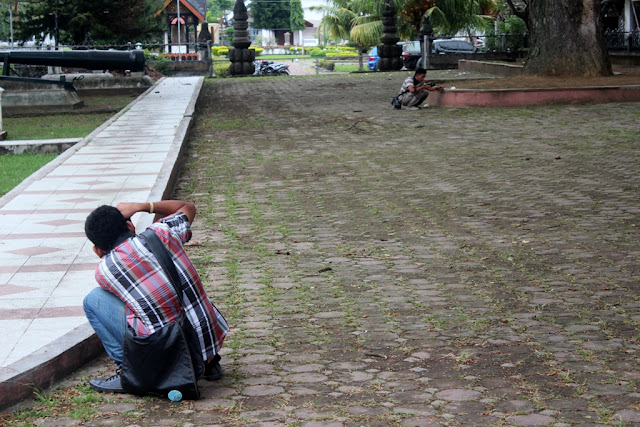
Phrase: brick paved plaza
(413,268)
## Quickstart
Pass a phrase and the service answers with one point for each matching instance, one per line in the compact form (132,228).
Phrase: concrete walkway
(46,262)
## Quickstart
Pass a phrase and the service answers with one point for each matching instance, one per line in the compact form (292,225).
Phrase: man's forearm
(162,208)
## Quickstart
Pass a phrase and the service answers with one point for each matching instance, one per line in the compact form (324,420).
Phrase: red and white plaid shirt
(132,273)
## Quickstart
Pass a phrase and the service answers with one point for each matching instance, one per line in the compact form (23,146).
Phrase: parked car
(410,55)
(373,58)
(452,46)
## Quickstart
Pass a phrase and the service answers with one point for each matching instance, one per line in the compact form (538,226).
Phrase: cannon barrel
(132,60)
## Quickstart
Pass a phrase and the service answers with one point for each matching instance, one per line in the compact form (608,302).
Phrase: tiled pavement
(46,262)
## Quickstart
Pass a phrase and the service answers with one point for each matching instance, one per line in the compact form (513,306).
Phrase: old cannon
(132,60)
(33,93)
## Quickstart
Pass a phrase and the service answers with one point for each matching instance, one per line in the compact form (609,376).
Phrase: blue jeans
(106,315)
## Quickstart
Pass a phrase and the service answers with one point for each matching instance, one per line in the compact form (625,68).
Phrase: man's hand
(162,208)
(129,209)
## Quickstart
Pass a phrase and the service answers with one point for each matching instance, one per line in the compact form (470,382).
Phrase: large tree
(97,21)
(276,14)
(566,37)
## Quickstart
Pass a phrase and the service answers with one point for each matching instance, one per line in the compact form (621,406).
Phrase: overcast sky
(310,15)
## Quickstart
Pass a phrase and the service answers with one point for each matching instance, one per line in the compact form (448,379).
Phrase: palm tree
(341,18)
(360,21)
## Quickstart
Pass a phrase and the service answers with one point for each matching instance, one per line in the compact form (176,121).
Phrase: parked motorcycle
(269,68)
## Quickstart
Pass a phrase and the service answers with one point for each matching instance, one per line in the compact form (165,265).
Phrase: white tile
(21,302)
(33,340)
(75,284)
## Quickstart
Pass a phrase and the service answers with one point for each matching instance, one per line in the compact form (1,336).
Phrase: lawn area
(96,110)
(50,127)
(16,167)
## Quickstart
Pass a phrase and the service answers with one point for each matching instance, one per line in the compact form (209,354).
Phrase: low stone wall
(452,60)
(498,68)
(183,68)
(106,84)
(617,58)
(37,146)
(541,96)
(37,98)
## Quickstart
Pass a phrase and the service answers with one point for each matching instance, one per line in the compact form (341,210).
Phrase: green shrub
(318,52)
(341,54)
(162,66)
(513,29)
(328,65)
(346,48)
(221,69)
(258,50)
(219,50)
(155,57)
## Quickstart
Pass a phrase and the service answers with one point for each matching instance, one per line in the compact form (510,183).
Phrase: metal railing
(623,40)
(189,48)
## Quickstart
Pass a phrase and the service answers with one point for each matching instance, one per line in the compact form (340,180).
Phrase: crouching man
(129,291)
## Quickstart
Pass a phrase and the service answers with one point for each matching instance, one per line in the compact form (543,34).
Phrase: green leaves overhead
(91,21)
(362,19)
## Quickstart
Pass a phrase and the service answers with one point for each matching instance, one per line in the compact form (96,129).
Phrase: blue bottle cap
(175,396)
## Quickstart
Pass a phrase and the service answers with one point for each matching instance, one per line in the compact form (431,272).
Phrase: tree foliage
(277,14)
(5,25)
(296,16)
(91,21)
(362,19)
(217,9)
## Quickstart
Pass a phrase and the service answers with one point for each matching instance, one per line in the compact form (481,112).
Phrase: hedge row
(224,50)
(338,51)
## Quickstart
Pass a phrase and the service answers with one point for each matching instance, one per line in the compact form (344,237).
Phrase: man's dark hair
(418,71)
(104,225)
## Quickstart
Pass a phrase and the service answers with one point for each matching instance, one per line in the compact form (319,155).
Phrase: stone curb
(51,363)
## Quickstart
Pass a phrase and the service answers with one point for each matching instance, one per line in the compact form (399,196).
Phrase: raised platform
(537,96)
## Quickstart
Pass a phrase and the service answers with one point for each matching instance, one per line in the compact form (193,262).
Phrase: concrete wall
(542,96)
(499,68)
(37,98)
(624,58)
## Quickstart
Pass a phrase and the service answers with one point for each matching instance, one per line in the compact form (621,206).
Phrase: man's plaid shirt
(133,274)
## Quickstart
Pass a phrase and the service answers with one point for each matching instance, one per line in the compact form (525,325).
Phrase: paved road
(416,268)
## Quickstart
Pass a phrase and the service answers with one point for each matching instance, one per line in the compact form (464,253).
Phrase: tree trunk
(566,39)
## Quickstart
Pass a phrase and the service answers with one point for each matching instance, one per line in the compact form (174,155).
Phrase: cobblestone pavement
(413,268)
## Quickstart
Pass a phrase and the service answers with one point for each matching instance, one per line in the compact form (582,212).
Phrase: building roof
(197,7)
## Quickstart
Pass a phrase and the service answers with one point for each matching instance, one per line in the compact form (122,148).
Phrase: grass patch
(16,167)
(50,127)
(350,68)
(107,103)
